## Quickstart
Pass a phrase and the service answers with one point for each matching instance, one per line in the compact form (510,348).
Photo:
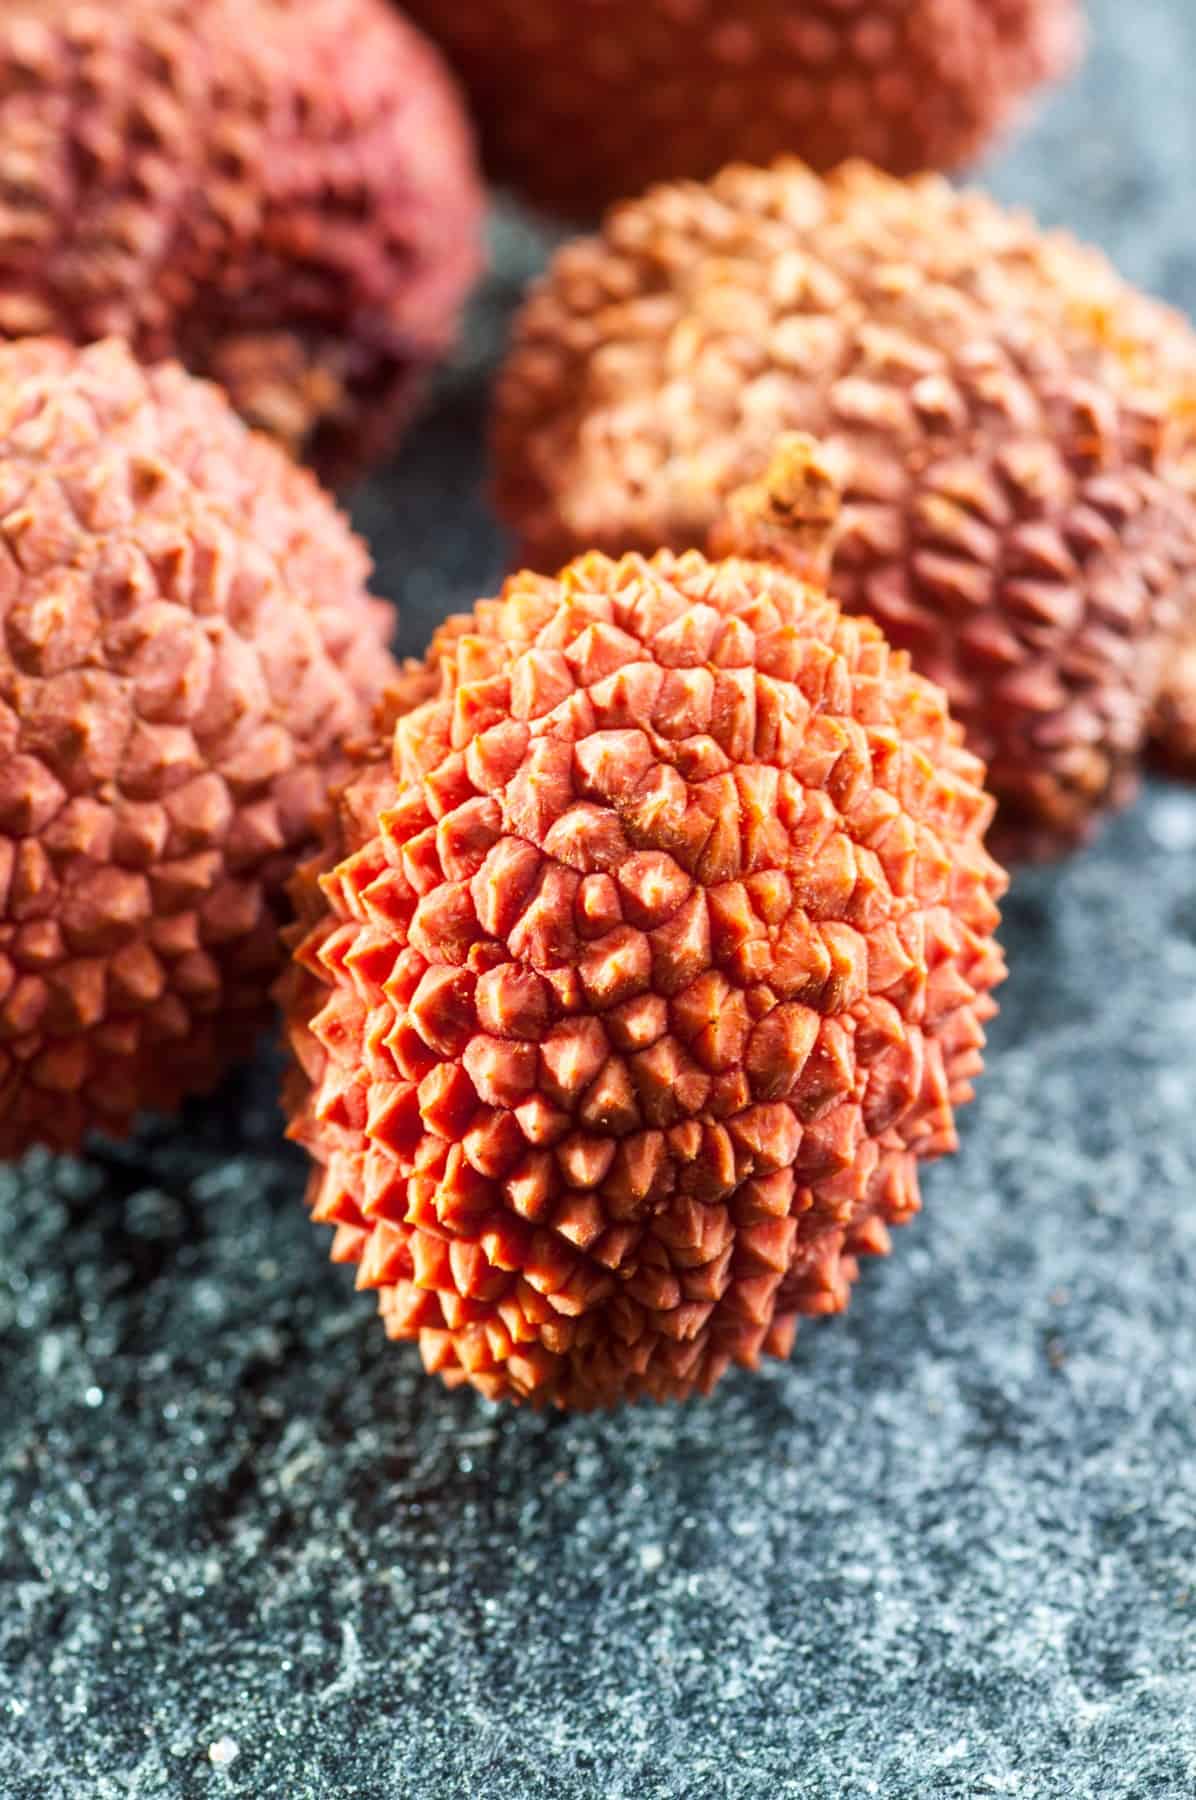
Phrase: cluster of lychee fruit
(635,946)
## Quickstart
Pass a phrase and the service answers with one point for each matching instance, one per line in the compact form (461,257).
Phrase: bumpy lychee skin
(280,193)
(584,103)
(640,979)
(186,642)
(1003,410)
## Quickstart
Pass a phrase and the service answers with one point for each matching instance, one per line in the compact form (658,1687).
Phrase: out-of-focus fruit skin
(1175,712)
(639,978)
(280,193)
(1007,416)
(586,102)
(187,644)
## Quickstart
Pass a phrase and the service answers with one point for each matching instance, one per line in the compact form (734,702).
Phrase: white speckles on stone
(651,1558)
(349,1676)
(224,1752)
(858,1574)
(1171,822)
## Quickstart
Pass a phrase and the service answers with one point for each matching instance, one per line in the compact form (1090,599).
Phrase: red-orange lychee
(642,974)
(584,103)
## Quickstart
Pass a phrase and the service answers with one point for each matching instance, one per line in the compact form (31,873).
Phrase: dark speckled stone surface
(950,1550)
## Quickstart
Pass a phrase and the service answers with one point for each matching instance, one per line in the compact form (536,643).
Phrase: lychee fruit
(1008,420)
(647,964)
(280,193)
(187,645)
(581,104)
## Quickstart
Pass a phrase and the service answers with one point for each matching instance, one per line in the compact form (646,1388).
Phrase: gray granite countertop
(949,1550)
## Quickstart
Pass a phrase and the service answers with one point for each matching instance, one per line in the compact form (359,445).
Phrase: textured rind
(187,646)
(639,979)
(582,104)
(1008,418)
(280,193)
(1173,722)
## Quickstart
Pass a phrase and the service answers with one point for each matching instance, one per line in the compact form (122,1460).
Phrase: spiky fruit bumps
(186,642)
(280,193)
(641,976)
(1003,411)
(584,103)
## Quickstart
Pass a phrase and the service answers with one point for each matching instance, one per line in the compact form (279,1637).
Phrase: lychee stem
(789,516)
